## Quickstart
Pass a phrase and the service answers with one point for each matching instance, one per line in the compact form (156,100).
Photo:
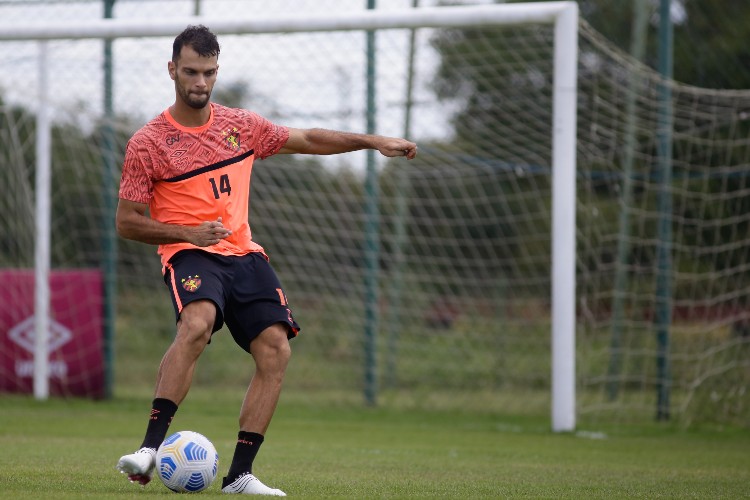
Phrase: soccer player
(190,168)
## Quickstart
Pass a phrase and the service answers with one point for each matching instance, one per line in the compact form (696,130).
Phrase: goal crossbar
(563,15)
(429,17)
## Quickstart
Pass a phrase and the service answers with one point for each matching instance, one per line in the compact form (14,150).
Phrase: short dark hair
(199,38)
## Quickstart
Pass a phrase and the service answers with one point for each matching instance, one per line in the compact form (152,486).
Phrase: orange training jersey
(191,175)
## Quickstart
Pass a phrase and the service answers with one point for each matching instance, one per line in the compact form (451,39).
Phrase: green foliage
(709,35)
(329,198)
(17,128)
(77,194)
(494,98)
(709,184)
(469,208)
(464,228)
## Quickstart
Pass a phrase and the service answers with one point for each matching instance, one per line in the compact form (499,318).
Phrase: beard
(195,101)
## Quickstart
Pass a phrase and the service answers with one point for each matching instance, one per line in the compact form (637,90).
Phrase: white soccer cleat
(248,484)
(138,466)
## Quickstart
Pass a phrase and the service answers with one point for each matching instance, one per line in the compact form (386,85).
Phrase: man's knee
(271,348)
(196,322)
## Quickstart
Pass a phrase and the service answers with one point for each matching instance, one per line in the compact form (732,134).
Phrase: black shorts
(245,289)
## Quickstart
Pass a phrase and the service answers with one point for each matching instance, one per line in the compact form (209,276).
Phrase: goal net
(463,308)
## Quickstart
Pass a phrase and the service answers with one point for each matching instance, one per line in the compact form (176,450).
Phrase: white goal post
(563,15)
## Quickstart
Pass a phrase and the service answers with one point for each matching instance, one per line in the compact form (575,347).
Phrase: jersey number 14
(222,187)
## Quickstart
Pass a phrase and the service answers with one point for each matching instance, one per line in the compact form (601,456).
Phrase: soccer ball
(187,462)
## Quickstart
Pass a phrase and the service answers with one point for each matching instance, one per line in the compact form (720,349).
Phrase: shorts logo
(191,283)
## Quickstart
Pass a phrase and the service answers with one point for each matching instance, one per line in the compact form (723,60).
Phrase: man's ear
(172,68)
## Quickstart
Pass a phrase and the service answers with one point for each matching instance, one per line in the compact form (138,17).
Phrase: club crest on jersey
(231,138)
(191,283)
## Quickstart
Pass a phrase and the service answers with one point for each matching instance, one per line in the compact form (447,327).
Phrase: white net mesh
(464,282)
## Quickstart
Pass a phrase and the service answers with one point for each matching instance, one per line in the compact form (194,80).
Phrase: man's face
(194,77)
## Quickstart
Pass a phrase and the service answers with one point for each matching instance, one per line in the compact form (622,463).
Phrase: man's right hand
(209,233)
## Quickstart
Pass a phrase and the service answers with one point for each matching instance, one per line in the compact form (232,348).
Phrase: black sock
(247,447)
(162,411)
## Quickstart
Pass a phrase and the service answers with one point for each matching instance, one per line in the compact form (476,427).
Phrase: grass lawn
(68,448)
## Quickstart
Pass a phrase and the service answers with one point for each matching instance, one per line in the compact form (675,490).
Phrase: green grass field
(67,449)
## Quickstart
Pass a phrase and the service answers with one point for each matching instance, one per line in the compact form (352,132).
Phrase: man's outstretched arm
(317,141)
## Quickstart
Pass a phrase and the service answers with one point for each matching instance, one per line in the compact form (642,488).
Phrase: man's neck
(190,117)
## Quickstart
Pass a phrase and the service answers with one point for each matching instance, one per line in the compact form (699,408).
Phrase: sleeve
(136,183)
(271,137)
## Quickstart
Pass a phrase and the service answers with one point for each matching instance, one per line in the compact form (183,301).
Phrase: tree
(710,38)
(497,100)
